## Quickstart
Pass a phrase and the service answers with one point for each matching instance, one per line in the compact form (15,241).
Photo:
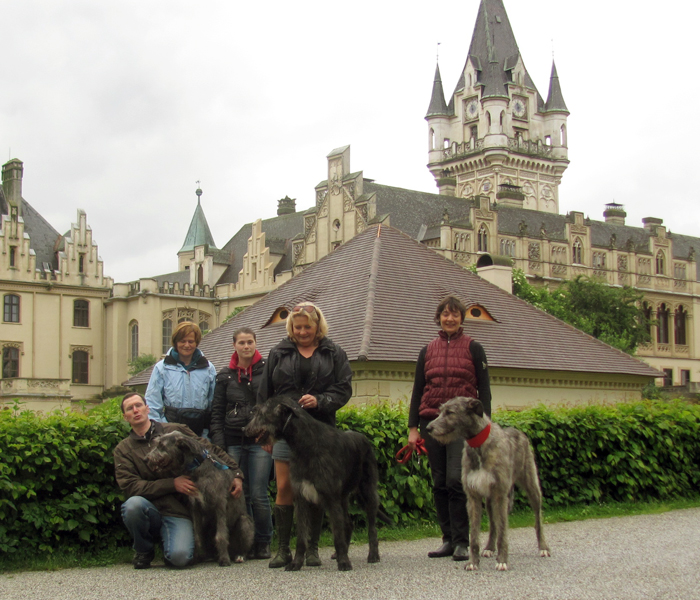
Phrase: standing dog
(327,465)
(494,460)
(213,508)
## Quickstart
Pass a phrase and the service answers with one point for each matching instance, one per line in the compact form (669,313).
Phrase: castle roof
(383,267)
(555,99)
(198,233)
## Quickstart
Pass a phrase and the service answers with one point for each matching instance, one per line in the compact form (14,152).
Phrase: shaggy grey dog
(327,465)
(494,460)
(214,511)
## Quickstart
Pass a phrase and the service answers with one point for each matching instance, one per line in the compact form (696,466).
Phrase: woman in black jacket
(234,399)
(312,369)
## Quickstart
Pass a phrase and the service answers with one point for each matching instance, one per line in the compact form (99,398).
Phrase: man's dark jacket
(135,478)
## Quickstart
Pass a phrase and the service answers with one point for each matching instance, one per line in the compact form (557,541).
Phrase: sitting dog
(213,508)
(327,465)
(494,460)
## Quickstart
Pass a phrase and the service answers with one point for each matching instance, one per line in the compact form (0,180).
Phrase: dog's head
(459,418)
(172,453)
(271,419)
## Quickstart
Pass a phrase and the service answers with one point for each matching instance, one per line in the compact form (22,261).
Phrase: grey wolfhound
(495,459)
(327,465)
(213,509)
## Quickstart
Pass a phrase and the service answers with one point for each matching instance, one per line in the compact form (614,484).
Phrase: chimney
(496,269)
(12,183)
(651,223)
(615,213)
(286,206)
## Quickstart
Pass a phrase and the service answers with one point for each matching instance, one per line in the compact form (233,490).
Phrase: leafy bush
(141,363)
(637,451)
(405,491)
(57,480)
(57,488)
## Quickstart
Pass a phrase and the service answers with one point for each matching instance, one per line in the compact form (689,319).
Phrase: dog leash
(404,455)
(205,455)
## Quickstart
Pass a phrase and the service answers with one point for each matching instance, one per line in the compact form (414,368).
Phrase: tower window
(11,312)
(662,327)
(81,263)
(13,256)
(81,313)
(660,263)
(80,366)
(134,335)
(10,362)
(577,253)
(483,241)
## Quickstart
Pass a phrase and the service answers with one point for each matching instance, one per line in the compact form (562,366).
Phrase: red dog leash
(404,455)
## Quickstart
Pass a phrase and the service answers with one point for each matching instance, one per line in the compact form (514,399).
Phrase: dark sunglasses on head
(306,307)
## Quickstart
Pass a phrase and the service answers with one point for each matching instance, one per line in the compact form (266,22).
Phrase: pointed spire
(437,100)
(555,99)
(198,234)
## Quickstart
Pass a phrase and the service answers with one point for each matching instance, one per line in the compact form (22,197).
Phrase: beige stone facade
(53,329)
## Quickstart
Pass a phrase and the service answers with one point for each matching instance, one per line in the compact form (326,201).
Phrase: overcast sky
(120,107)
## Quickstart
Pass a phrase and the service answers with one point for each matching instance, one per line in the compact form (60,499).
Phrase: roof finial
(437,57)
(198,192)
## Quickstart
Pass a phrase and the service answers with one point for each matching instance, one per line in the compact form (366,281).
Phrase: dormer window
(478,312)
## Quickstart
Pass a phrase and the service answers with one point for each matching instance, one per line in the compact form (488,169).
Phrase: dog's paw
(487,553)
(373,558)
(471,567)
(292,566)
(239,559)
(501,566)
(225,562)
(544,553)
(344,565)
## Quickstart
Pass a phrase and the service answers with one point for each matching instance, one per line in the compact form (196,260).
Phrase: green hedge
(57,488)
(57,484)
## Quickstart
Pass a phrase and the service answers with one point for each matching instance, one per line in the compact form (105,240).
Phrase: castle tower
(198,234)
(497,137)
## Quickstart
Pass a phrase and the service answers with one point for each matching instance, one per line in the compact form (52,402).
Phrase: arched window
(432,138)
(81,313)
(167,334)
(483,243)
(11,312)
(662,326)
(562,136)
(679,326)
(501,120)
(134,337)
(80,366)
(200,276)
(660,262)
(577,254)
(10,362)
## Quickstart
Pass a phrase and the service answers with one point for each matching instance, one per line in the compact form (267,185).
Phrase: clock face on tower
(519,107)
(471,109)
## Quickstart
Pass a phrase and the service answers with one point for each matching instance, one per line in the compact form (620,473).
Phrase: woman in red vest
(453,364)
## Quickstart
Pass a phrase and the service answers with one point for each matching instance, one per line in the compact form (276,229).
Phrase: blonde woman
(309,367)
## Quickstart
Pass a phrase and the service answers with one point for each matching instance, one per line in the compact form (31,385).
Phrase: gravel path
(608,559)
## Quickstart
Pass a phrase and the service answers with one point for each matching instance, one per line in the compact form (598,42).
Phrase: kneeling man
(154,505)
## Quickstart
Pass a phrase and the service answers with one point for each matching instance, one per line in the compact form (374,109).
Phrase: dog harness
(206,456)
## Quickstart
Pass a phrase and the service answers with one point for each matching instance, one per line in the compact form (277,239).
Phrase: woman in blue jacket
(181,387)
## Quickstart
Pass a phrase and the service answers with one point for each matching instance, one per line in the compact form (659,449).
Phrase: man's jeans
(145,524)
(256,465)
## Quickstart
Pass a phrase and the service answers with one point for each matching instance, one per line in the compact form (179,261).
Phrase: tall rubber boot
(312,558)
(284,519)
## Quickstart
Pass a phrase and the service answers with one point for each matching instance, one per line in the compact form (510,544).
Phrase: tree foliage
(611,314)
(141,363)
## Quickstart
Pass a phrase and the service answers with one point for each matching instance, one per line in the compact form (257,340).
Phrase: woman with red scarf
(234,399)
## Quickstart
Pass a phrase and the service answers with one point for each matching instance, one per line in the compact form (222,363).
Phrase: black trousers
(450,500)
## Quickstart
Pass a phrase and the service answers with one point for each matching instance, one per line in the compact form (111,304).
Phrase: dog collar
(480,438)
(205,455)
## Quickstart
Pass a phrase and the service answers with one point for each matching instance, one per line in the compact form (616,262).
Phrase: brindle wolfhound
(215,513)
(494,460)
(327,466)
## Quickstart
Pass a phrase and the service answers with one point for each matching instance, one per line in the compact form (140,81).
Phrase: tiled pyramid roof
(379,292)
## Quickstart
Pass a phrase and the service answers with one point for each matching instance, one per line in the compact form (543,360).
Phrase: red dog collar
(480,438)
